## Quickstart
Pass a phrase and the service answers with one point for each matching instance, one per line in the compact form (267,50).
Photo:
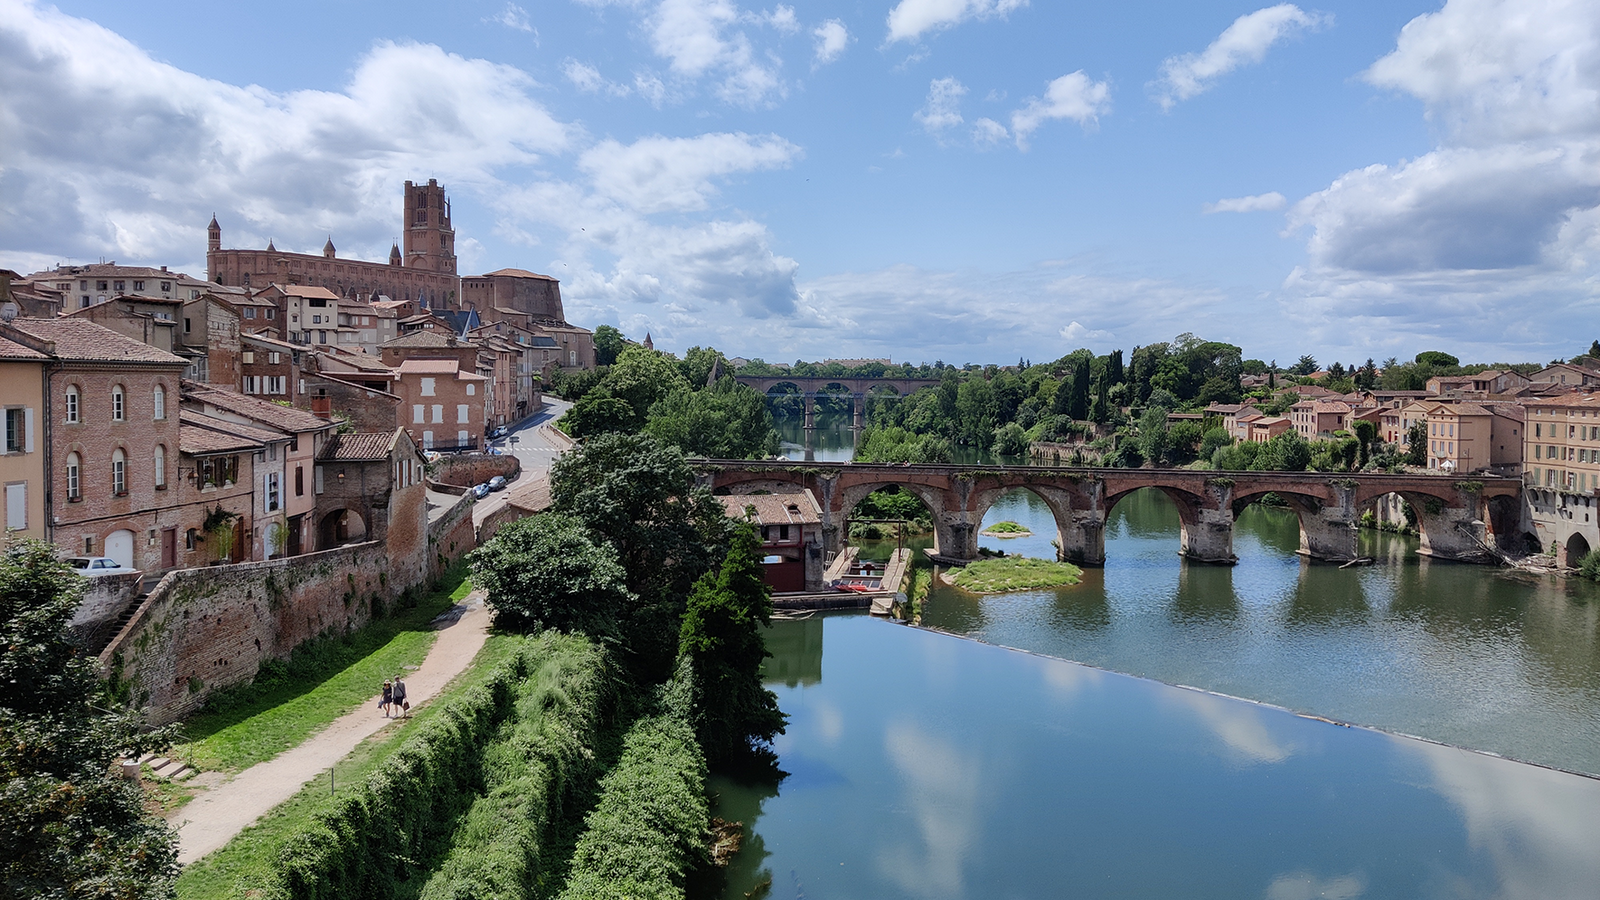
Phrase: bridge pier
(811,425)
(1082,540)
(1453,533)
(1328,531)
(1208,539)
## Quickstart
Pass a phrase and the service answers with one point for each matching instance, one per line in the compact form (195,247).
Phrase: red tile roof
(78,340)
(358,447)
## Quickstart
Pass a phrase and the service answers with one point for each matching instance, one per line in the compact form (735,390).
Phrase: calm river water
(923,765)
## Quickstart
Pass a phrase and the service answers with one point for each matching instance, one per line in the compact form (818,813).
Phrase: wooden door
(169,548)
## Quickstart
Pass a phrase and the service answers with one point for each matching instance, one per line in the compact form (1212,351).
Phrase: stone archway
(1322,536)
(339,527)
(1059,502)
(951,537)
(1574,550)
(1205,533)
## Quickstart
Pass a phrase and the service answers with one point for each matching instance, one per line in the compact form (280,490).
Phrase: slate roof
(358,447)
(79,340)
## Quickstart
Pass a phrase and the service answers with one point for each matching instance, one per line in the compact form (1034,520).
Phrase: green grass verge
(1014,573)
(322,680)
(249,862)
(1007,528)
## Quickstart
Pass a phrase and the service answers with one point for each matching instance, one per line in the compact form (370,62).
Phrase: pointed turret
(394,255)
(213,234)
(270,248)
(327,249)
(648,344)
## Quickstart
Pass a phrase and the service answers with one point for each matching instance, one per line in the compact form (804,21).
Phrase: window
(17,437)
(17,506)
(472,390)
(273,357)
(161,402)
(299,481)
(72,405)
(272,492)
(271,313)
(138,285)
(166,285)
(249,312)
(191,539)
(417,415)
(461,414)
(463,438)
(161,467)
(119,401)
(119,472)
(218,471)
(74,471)
(188,326)
(427,387)
(438,413)
(100,285)
(121,286)
(427,440)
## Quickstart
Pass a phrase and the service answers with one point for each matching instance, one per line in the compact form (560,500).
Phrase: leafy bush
(546,572)
(1590,566)
(369,843)
(649,828)
(498,850)
(1010,440)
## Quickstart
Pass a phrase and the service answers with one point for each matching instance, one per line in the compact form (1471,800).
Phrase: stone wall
(207,628)
(463,470)
(105,599)
(451,536)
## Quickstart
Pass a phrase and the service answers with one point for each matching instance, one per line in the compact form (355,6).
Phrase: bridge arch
(1205,532)
(1321,536)
(949,533)
(1060,502)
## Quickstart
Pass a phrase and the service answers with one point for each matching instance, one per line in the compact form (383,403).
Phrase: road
(534,446)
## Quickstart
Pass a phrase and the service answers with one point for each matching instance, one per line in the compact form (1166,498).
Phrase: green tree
(1213,440)
(1153,434)
(728,421)
(641,377)
(975,411)
(640,495)
(1288,452)
(1305,365)
(734,713)
(1010,440)
(1367,433)
(597,414)
(1100,409)
(1114,373)
(608,345)
(68,828)
(1594,350)
(546,571)
(1417,438)
(1436,359)
(698,364)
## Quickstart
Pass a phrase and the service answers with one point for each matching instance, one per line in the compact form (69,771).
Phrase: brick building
(269,368)
(208,336)
(114,440)
(790,527)
(442,405)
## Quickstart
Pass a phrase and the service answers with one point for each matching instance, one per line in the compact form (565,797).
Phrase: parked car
(96,565)
(497,483)
(501,432)
(480,491)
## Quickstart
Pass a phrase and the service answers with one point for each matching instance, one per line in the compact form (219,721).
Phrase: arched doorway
(342,526)
(119,546)
(1577,549)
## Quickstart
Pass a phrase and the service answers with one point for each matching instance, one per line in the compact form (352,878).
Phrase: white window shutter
(27,445)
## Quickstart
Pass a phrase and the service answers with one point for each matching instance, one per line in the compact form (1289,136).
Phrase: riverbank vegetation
(1006,529)
(1013,573)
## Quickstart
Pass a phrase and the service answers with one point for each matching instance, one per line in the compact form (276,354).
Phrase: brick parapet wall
(451,536)
(463,470)
(207,628)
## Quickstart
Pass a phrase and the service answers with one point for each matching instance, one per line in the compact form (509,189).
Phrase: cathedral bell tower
(430,241)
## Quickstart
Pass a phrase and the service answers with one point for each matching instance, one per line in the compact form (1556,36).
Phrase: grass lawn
(324,679)
(1014,573)
(1006,529)
(245,863)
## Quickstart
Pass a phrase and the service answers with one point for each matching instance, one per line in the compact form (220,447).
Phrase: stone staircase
(166,769)
(104,636)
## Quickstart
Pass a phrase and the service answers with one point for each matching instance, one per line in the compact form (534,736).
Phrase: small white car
(96,565)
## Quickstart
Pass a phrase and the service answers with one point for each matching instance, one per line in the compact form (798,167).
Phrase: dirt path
(213,818)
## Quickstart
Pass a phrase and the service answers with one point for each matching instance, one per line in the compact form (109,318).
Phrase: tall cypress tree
(1080,390)
(735,715)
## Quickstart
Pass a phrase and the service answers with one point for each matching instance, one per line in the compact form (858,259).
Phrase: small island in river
(1007,530)
(1014,573)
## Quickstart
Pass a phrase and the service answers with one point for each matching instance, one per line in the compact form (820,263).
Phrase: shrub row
(649,828)
(543,755)
(370,842)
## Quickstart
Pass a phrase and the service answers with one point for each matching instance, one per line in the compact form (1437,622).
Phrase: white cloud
(660,174)
(1074,332)
(588,79)
(832,37)
(988,133)
(698,40)
(111,153)
(513,17)
(1244,42)
(782,19)
(1503,215)
(1307,886)
(1075,96)
(1256,203)
(943,107)
(911,19)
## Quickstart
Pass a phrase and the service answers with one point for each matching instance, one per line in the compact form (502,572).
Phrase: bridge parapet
(1451,512)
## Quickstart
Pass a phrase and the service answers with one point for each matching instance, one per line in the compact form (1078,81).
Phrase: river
(925,765)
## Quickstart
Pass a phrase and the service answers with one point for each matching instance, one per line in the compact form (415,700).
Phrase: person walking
(388,698)
(398,696)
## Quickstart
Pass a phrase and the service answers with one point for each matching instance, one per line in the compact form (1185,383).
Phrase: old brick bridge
(1460,519)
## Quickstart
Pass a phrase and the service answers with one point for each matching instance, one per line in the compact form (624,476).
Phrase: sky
(957,180)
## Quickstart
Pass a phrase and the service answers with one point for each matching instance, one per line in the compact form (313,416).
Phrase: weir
(1452,514)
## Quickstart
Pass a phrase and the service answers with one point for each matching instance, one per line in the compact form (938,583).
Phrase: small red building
(790,526)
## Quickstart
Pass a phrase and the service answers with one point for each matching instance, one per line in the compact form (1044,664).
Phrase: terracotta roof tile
(78,340)
(358,447)
(15,351)
(775,509)
(285,418)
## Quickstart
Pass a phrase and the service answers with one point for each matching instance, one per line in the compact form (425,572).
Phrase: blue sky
(967,180)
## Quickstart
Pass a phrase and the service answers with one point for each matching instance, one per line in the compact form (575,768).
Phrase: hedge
(370,842)
(650,826)
(498,850)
